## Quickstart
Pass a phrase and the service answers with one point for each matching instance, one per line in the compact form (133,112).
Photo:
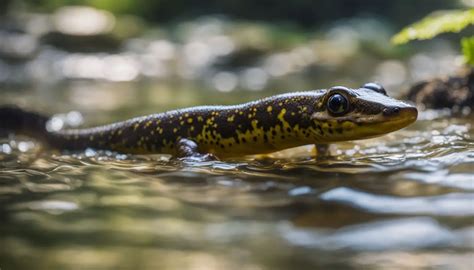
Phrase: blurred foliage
(441,22)
(453,21)
(116,6)
(301,12)
(467,44)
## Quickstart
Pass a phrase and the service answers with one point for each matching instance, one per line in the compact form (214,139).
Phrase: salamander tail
(18,121)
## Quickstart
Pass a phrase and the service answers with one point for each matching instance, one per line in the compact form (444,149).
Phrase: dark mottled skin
(262,126)
(213,128)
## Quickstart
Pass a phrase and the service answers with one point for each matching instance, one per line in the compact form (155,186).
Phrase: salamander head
(351,114)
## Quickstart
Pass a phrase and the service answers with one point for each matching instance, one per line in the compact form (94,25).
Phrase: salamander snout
(406,113)
(391,111)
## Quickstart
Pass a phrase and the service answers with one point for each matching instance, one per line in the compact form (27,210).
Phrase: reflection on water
(403,200)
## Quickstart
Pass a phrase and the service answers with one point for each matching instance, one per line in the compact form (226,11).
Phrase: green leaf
(467,45)
(446,22)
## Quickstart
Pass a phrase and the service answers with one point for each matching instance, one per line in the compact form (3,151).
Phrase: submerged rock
(454,92)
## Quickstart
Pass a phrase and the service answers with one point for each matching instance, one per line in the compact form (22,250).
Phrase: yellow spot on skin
(181,123)
(282,119)
(136,126)
(348,125)
(186,115)
(191,128)
(175,130)
(119,132)
(280,103)
(269,108)
(200,119)
(241,112)
(230,118)
(190,120)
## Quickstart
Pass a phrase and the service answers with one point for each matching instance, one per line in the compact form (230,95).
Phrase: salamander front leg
(188,150)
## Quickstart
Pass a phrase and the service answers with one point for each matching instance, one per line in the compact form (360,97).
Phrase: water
(404,200)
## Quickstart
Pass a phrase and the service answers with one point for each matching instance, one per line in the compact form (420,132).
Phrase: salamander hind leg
(188,150)
(321,151)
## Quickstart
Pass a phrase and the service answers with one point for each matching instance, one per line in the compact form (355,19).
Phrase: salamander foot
(188,151)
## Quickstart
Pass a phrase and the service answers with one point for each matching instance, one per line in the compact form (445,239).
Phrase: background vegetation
(302,12)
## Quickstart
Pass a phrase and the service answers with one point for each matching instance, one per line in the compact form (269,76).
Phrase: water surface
(404,200)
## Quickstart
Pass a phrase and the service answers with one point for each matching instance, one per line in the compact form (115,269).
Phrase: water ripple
(454,204)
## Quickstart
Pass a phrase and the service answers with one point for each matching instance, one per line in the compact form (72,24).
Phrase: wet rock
(454,92)
(243,57)
(17,46)
(81,28)
(71,43)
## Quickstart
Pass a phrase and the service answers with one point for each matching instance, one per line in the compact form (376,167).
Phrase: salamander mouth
(392,122)
(386,123)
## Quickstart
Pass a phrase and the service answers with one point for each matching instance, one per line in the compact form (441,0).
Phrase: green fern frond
(467,45)
(450,21)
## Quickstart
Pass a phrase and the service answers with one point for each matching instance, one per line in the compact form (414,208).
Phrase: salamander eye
(337,104)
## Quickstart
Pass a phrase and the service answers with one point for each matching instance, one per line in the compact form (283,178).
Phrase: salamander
(263,126)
